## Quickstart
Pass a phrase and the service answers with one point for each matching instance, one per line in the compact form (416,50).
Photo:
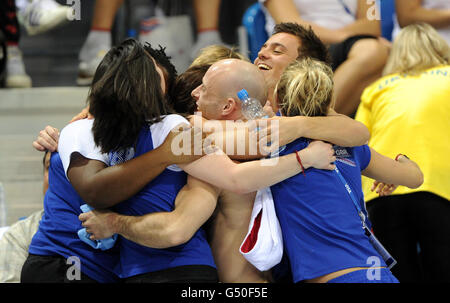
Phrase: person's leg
(49,269)
(207,14)
(364,64)
(390,217)
(98,42)
(432,217)
(16,77)
(180,274)
(14,247)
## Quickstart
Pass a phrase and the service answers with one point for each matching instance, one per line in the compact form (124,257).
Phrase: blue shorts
(370,275)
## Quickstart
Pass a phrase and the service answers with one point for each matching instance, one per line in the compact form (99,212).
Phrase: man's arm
(410,11)
(194,204)
(364,25)
(219,170)
(335,128)
(402,172)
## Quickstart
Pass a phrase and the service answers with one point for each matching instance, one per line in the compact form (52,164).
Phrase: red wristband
(300,162)
(396,158)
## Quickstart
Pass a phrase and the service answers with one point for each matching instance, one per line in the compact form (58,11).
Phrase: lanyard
(347,10)
(352,196)
(388,259)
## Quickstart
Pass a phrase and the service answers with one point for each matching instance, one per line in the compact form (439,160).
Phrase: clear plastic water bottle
(251,107)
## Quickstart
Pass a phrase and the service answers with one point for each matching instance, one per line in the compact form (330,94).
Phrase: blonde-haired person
(407,110)
(213,53)
(322,232)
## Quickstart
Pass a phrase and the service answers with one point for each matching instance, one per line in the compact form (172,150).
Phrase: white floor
(23,113)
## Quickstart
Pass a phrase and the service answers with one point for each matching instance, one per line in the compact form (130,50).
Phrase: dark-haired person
(351,28)
(56,254)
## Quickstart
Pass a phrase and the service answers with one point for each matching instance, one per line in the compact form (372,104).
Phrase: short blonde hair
(305,88)
(213,53)
(417,47)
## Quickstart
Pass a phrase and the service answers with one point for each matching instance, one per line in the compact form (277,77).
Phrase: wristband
(396,158)
(300,162)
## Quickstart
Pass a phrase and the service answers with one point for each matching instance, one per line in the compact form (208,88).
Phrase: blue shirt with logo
(57,232)
(159,195)
(322,231)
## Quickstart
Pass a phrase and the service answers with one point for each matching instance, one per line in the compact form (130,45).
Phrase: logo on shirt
(120,156)
(343,156)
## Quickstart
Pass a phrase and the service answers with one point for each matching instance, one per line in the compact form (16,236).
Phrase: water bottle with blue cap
(251,107)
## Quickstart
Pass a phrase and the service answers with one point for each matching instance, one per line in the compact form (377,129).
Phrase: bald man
(217,99)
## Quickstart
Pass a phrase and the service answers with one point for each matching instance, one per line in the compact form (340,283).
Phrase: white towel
(263,244)
(3,230)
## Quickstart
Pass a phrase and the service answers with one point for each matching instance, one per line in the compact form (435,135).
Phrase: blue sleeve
(296,145)
(362,155)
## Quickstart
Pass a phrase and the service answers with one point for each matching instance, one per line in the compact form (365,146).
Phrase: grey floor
(23,113)
(51,61)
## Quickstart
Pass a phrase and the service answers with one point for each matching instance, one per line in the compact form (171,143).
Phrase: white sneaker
(16,77)
(86,69)
(42,15)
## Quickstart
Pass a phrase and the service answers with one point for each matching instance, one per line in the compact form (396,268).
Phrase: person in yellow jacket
(408,109)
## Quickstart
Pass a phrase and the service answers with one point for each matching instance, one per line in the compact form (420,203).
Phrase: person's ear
(229,107)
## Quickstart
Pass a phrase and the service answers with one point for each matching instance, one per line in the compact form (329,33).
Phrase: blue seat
(254,22)
(387,10)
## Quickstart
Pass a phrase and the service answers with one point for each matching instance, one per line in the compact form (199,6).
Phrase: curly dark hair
(125,95)
(163,60)
(310,44)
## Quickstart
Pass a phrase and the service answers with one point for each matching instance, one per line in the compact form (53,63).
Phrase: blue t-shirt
(57,232)
(322,231)
(159,195)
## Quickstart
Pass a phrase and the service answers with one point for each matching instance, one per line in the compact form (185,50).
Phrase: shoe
(86,69)
(42,15)
(16,77)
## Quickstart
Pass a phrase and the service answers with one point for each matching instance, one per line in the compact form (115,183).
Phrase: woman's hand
(269,131)
(383,189)
(47,139)
(184,144)
(320,155)
(98,223)
(84,114)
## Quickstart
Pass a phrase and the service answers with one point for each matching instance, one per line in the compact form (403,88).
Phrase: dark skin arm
(102,187)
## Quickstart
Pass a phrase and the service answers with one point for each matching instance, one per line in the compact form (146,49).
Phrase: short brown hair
(180,95)
(310,45)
